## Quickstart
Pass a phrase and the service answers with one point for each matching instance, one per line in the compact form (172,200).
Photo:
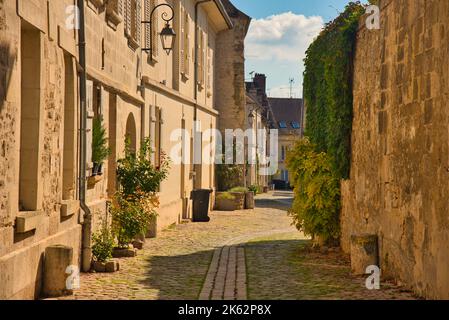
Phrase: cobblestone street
(253,254)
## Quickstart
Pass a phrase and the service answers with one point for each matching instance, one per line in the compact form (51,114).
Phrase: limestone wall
(230,74)
(21,252)
(399,181)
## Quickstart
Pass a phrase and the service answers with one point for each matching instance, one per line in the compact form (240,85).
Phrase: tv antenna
(292,82)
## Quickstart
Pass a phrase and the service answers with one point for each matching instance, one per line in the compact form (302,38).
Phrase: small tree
(100,149)
(134,206)
(103,244)
(316,206)
(132,215)
(136,173)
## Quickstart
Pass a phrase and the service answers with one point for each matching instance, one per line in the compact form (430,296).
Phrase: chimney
(260,80)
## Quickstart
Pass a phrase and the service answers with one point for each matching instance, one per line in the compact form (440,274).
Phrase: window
(30,190)
(69,154)
(283,125)
(283,152)
(185,43)
(133,22)
(295,125)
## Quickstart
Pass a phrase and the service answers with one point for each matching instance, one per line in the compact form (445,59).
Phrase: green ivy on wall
(328,88)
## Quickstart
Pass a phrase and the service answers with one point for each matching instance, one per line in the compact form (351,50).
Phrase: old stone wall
(230,74)
(21,252)
(399,181)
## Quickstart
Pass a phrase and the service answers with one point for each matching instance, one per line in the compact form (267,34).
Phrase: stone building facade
(231,100)
(398,187)
(136,96)
(288,115)
(259,117)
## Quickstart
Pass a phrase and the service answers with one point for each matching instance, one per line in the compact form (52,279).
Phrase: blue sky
(280,33)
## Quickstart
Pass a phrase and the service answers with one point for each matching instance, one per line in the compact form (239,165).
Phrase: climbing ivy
(317,204)
(328,87)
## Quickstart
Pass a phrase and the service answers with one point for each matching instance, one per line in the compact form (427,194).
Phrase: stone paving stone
(284,267)
(182,263)
(174,265)
(241,281)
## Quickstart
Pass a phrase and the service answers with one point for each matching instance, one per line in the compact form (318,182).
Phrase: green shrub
(100,149)
(134,206)
(137,175)
(225,196)
(238,190)
(103,244)
(132,216)
(255,189)
(229,176)
(316,206)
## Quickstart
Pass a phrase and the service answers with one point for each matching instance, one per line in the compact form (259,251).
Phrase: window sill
(27,221)
(132,43)
(185,77)
(113,18)
(69,208)
(92,181)
(151,60)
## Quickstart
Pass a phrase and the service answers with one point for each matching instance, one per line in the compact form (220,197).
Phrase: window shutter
(147,13)
(203,56)
(155,44)
(182,59)
(187,44)
(128,13)
(138,20)
(200,55)
(209,68)
(120,7)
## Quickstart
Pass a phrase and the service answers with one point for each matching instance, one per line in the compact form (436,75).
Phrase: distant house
(288,118)
(259,118)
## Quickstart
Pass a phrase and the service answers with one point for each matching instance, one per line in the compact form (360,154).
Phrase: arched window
(131,133)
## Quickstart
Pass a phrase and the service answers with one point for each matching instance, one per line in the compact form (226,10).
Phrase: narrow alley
(252,254)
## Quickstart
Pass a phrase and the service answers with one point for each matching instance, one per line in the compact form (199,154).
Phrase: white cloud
(283,37)
(277,45)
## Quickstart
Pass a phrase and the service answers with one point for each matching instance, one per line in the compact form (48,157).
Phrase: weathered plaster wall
(400,160)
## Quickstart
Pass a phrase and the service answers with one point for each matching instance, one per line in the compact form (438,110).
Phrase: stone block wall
(230,74)
(21,252)
(399,181)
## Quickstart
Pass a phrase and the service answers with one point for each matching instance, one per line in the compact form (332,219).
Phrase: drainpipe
(195,78)
(86,254)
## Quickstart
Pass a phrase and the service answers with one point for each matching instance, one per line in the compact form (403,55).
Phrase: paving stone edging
(226,278)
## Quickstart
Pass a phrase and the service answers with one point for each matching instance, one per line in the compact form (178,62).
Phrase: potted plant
(134,206)
(245,198)
(103,245)
(100,149)
(130,219)
(225,201)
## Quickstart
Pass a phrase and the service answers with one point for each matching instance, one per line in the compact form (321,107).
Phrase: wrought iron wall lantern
(167,34)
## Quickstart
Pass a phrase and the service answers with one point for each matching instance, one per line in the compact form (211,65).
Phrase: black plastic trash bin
(201,199)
